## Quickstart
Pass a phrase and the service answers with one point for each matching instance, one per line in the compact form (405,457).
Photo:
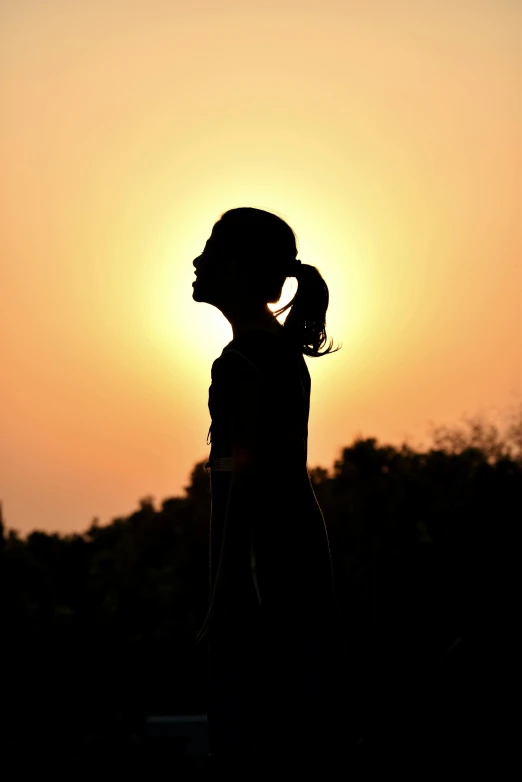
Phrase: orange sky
(388,133)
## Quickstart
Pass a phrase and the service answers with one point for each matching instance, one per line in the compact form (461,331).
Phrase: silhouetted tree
(99,628)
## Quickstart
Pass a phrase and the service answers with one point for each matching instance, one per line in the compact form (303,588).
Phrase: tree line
(99,628)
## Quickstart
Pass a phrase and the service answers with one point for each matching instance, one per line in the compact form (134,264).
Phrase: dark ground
(452,725)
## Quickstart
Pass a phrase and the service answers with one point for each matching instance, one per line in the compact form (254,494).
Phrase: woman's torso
(291,550)
(282,642)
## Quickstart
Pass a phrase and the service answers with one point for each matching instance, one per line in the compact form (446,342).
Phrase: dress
(276,669)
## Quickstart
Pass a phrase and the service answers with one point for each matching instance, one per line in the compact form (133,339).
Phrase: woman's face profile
(218,280)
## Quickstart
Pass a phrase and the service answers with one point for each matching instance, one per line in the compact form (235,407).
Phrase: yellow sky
(388,133)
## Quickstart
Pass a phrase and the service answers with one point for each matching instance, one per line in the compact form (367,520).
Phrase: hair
(270,245)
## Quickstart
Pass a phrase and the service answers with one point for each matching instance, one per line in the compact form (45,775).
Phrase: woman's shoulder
(242,352)
(264,349)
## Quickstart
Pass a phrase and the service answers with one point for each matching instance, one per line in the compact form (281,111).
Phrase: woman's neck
(261,318)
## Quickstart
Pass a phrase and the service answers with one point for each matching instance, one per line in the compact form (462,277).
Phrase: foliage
(99,628)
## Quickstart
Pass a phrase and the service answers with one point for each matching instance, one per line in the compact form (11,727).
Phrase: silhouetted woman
(273,633)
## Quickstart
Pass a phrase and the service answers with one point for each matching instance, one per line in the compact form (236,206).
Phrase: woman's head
(247,259)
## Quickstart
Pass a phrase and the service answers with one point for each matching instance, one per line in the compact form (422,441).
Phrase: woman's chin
(197,294)
(202,293)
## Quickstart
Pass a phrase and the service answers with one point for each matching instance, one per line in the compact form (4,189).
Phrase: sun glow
(385,147)
(194,333)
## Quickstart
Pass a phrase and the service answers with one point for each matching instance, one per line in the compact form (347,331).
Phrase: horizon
(486,435)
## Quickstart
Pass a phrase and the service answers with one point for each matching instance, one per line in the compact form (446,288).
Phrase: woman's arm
(242,385)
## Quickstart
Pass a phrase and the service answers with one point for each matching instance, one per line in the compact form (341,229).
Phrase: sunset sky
(387,133)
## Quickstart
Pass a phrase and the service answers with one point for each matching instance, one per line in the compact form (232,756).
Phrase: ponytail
(305,323)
